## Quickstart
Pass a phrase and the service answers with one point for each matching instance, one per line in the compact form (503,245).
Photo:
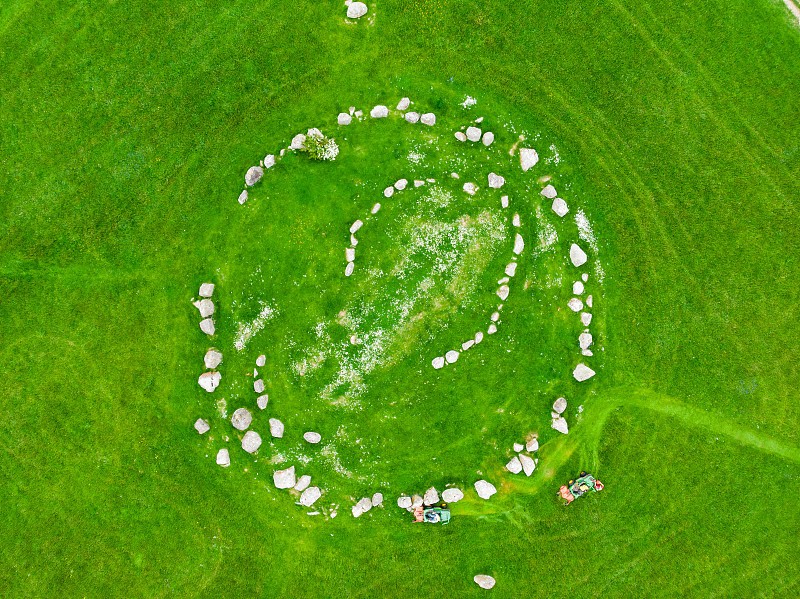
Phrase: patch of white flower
(415,157)
(469,102)
(247,330)
(329,149)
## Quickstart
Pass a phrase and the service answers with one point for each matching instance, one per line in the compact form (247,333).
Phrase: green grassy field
(125,134)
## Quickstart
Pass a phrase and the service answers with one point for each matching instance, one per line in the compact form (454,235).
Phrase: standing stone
(377,499)
(560,405)
(496,181)
(577,288)
(202,426)
(514,466)
(344,118)
(478,337)
(527,158)
(585,340)
(241,419)
(532,445)
(388,192)
(577,255)
(452,495)
(349,269)
(350,254)
(207,326)
(585,277)
(470,188)
(276,427)
(485,489)
(404,502)
(243,197)
(284,479)
(401,184)
(560,207)
(356,10)
(484,581)
(223,458)
(549,192)
(504,201)
(212,359)
(365,504)
(451,356)
(438,362)
(251,441)
(403,104)
(411,117)
(312,437)
(309,496)
(460,136)
(586,319)
(515,221)
(492,329)
(258,386)
(589,301)
(379,112)
(261,360)
(262,401)
(473,133)
(302,483)
(528,465)
(209,380)
(428,119)
(488,138)
(511,269)
(575,304)
(582,372)
(269,161)
(297,142)
(356,226)
(560,425)
(519,244)
(503,292)
(206,290)
(467,344)
(253,176)
(416,501)
(431,496)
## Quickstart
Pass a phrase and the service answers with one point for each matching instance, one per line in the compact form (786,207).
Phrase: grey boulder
(312,437)
(207,326)
(253,176)
(276,428)
(251,441)
(206,290)
(484,581)
(528,158)
(241,419)
(309,496)
(431,496)
(582,372)
(212,359)
(223,458)
(284,479)
(485,489)
(356,10)
(209,380)
(577,255)
(202,426)
(452,495)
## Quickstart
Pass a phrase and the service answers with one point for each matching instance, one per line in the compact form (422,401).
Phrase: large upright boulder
(251,441)
(241,419)
(380,111)
(309,496)
(212,359)
(452,495)
(485,489)
(484,581)
(209,380)
(356,10)
(276,428)
(223,458)
(284,479)
(206,290)
(202,426)
(582,372)
(207,326)
(253,176)
(577,255)
(528,465)
(431,496)
(528,158)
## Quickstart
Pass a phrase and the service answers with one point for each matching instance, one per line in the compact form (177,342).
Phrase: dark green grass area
(125,132)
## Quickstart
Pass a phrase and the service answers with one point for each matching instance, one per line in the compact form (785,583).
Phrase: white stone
(560,425)
(411,117)
(262,401)
(403,104)
(356,226)
(478,337)
(258,386)
(243,197)
(519,244)
(452,495)
(575,304)
(577,288)
(349,270)
(455,175)
(314,132)
(431,496)
(253,176)
(492,329)
(207,326)
(589,301)
(582,372)
(261,360)
(312,437)
(549,192)
(356,10)
(460,136)
(284,479)
(577,255)
(269,161)
(504,201)
(241,419)
(251,441)
(428,119)
(451,356)
(527,158)
(309,496)
(484,581)
(418,183)
(350,254)
(560,207)
(532,445)
(388,192)
(344,118)
(356,511)
(514,466)
(503,281)
(473,133)
(358,114)
(488,138)
(377,499)
(528,465)
(302,483)
(495,316)
(485,489)
(479,120)
(379,112)
(585,340)
(209,380)
(353,240)
(467,344)
(586,319)
(364,504)
(276,427)
(585,277)
(560,405)
(496,181)
(401,184)
(517,447)
(438,362)
(202,426)
(212,359)
(416,501)
(511,269)
(297,142)
(502,293)
(470,188)
(223,458)
(404,502)
(587,352)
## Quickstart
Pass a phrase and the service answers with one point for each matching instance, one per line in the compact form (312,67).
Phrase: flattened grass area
(125,135)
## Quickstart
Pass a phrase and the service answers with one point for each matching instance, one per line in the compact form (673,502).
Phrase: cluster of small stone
(521,462)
